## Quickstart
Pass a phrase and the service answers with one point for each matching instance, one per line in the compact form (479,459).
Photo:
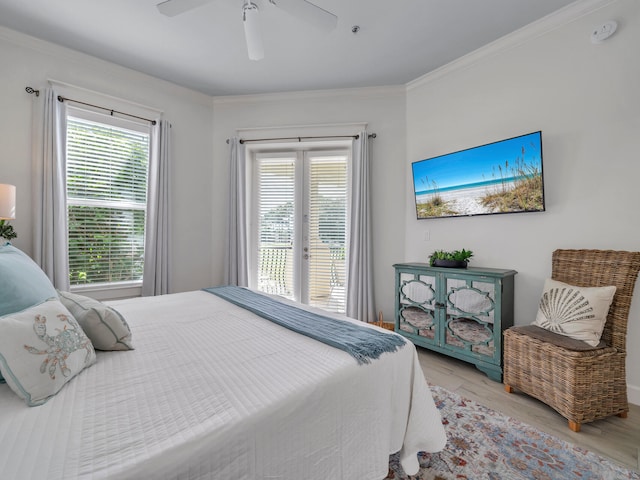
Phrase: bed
(213,391)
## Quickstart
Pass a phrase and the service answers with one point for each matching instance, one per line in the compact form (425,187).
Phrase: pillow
(577,312)
(41,349)
(22,282)
(105,327)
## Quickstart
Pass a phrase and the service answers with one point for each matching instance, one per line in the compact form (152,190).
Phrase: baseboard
(633,394)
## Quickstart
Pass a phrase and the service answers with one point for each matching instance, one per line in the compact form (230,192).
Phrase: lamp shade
(7,201)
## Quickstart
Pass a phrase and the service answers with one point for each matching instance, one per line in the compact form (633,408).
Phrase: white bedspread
(214,392)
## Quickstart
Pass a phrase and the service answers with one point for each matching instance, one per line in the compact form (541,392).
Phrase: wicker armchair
(581,382)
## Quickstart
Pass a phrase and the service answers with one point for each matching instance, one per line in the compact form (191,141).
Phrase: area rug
(484,444)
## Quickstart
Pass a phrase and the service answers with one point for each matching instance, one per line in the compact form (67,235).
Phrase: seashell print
(562,306)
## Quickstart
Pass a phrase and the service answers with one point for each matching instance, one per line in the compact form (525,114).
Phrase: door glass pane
(470,315)
(417,305)
(300,226)
(276,196)
(327,218)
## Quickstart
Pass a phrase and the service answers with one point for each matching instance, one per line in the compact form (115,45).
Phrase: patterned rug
(483,444)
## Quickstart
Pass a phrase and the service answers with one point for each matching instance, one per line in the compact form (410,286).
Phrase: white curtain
(50,188)
(157,245)
(360,301)
(236,271)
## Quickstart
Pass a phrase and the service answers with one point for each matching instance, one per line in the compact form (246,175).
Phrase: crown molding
(52,49)
(529,32)
(60,52)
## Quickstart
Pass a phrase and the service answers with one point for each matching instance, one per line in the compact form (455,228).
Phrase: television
(499,177)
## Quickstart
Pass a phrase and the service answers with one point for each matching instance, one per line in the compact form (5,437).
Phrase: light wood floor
(615,438)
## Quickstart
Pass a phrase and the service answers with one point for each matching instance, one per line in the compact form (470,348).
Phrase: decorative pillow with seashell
(577,312)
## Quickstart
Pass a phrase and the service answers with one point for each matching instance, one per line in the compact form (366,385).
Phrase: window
(299,226)
(107,167)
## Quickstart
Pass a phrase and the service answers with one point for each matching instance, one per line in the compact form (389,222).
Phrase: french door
(298,226)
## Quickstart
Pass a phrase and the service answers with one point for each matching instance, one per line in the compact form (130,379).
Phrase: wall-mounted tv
(499,177)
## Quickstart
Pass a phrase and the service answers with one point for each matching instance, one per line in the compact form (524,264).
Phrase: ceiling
(204,49)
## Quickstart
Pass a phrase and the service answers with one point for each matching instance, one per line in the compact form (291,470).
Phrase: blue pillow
(22,283)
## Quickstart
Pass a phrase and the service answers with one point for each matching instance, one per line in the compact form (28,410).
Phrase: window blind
(107,169)
(276,226)
(327,232)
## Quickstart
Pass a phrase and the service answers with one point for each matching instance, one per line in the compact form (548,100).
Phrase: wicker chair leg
(508,388)
(623,414)
(575,426)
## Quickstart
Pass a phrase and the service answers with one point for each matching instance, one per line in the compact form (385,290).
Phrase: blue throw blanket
(360,342)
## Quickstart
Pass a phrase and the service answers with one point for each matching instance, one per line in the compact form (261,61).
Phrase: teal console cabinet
(460,312)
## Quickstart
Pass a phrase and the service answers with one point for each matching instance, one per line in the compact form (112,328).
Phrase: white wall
(383,109)
(585,99)
(27,61)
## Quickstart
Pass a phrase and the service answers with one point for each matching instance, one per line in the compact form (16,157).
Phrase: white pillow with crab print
(41,349)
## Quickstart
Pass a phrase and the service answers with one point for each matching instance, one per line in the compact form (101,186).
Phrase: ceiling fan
(301,9)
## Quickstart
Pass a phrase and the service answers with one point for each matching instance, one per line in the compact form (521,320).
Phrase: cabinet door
(416,309)
(471,310)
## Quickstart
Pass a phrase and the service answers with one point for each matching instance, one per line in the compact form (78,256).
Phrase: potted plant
(6,231)
(453,259)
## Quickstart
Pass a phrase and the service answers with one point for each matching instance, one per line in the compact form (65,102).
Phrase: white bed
(213,391)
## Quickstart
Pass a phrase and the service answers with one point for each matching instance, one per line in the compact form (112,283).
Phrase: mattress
(213,391)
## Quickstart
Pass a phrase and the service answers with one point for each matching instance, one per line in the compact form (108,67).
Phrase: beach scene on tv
(500,177)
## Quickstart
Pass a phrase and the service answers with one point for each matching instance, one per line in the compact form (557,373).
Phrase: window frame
(109,290)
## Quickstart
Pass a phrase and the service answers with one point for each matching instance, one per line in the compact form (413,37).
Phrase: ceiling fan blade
(308,12)
(171,8)
(252,33)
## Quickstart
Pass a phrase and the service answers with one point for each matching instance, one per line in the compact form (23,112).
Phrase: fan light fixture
(252,32)
(301,9)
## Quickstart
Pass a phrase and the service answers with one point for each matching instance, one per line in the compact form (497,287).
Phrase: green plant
(520,188)
(435,205)
(455,255)
(6,231)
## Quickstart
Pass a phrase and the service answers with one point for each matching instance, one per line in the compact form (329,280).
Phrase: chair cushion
(556,339)
(577,312)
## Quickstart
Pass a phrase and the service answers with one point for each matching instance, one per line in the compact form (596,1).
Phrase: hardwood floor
(615,438)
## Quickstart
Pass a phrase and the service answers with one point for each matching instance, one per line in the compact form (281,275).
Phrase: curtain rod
(62,99)
(299,139)
(30,90)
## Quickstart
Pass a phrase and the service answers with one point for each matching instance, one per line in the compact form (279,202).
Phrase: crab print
(59,346)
